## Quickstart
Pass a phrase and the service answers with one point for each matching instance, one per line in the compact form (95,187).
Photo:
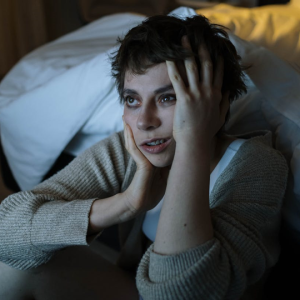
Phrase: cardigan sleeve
(55,214)
(245,211)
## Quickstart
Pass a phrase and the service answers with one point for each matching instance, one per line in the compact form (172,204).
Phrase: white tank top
(152,216)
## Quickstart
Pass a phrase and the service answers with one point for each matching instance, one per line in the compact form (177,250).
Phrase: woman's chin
(160,163)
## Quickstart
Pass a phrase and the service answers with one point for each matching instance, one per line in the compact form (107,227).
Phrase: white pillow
(61,89)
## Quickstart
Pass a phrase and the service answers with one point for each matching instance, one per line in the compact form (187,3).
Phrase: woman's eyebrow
(129,91)
(160,90)
(164,89)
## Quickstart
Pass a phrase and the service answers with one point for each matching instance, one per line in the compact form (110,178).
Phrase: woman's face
(149,109)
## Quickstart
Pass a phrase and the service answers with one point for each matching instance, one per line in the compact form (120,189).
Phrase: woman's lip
(157,148)
(153,140)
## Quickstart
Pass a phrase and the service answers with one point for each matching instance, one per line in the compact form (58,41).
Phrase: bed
(61,98)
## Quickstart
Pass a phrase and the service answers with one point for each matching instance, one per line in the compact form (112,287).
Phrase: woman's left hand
(201,107)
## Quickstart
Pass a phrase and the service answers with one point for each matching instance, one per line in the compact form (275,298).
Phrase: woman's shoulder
(258,150)
(113,150)
(257,170)
(114,140)
(113,146)
(108,152)
(256,161)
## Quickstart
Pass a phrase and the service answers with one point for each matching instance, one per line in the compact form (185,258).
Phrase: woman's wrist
(193,150)
(107,212)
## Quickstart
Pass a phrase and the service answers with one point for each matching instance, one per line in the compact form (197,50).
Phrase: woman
(216,236)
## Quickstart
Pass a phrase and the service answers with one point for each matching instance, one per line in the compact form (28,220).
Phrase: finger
(206,66)
(134,151)
(219,73)
(129,140)
(176,80)
(190,66)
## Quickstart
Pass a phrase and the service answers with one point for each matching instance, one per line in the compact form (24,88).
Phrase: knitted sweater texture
(245,208)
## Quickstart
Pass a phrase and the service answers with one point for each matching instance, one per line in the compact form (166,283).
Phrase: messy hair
(158,39)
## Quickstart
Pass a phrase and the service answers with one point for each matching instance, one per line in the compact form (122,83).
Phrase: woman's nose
(148,119)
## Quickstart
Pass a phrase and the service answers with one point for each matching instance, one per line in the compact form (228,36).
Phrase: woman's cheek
(128,116)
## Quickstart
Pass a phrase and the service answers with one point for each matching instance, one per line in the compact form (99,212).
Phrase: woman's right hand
(149,183)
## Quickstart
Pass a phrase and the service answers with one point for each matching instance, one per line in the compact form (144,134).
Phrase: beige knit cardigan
(245,208)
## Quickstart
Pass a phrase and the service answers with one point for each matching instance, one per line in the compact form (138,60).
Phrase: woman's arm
(245,212)
(200,253)
(55,214)
(199,113)
(94,191)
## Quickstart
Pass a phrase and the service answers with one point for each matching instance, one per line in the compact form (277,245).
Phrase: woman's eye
(168,98)
(129,100)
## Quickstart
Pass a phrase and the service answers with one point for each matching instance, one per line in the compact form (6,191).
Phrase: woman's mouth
(156,146)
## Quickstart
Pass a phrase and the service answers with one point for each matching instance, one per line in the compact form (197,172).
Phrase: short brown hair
(158,39)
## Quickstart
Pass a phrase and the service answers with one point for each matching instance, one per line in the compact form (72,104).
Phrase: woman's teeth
(156,143)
